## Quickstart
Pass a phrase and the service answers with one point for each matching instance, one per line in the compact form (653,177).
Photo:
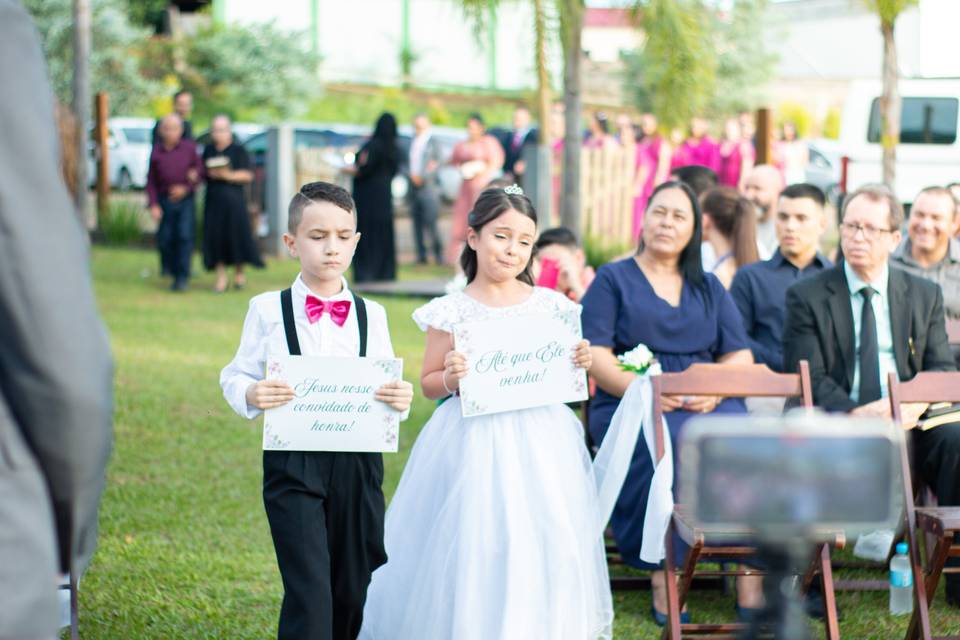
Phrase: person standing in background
(173,177)
(701,148)
(377,163)
(736,156)
(56,373)
(183,107)
(522,136)
(425,158)
(598,136)
(227,232)
(480,158)
(794,154)
(762,187)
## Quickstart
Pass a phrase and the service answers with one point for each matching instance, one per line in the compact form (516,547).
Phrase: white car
(129,144)
(929,149)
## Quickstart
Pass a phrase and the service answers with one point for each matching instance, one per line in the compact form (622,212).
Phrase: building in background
(825,46)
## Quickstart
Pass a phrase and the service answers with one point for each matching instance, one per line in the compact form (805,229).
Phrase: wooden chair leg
(672,631)
(921,610)
(831,621)
(936,560)
(689,568)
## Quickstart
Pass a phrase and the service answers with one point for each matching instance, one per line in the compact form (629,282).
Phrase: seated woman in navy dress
(661,298)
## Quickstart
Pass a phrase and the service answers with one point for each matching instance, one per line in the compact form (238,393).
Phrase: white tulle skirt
(491,534)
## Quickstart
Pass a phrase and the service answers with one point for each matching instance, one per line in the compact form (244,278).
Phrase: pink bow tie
(338,310)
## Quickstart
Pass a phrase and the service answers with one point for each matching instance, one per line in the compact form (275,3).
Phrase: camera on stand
(790,480)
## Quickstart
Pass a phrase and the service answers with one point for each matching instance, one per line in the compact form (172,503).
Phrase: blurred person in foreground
(55,367)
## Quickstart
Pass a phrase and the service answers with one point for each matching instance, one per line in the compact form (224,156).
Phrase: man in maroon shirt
(175,172)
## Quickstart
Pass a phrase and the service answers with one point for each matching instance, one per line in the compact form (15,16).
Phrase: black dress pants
(326,514)
(937,456)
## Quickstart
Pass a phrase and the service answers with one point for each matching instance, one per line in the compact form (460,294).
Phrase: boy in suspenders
(325,508)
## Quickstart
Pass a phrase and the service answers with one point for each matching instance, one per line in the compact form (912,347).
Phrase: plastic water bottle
(901,582)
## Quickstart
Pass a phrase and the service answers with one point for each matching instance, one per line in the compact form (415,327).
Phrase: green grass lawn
(185,551)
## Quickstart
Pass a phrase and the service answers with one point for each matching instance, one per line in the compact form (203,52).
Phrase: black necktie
(869,351)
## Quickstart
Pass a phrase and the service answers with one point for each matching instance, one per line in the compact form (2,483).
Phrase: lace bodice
(446,312)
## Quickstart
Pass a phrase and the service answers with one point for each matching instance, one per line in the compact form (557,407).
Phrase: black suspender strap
(361,323)
(289,326)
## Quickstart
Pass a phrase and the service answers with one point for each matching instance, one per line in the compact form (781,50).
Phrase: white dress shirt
(264,335)
(417,148)
(881,312)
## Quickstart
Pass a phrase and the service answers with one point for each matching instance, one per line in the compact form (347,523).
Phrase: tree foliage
(697,60)
(116,58)
(744,64)
(674,74)
(889,10)
(253,71)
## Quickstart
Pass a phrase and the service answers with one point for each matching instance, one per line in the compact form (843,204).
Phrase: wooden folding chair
(739,381)
(939,523)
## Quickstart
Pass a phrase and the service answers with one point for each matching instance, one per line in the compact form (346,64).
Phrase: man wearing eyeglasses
(862,320)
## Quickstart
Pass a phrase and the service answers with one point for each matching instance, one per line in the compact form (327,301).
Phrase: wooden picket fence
(606,190)
(606,194)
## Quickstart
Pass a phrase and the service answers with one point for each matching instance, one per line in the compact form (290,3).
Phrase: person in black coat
(377,163)
(227,232)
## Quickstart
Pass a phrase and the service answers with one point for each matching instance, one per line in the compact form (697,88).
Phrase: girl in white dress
(491,533)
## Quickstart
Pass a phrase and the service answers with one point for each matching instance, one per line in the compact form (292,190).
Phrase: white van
(929,149)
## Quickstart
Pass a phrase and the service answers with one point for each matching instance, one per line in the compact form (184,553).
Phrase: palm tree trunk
(572,18)
(543,77)
(541,184)
(889,105)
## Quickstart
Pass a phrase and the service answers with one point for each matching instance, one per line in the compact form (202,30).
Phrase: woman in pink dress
(680,155)
(736,156)
(701,148)
(651,162)
(599,132)
(558,128)
(479,157)
(627,135)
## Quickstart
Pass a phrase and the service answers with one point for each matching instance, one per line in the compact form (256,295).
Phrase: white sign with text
(520,362)
(333,408)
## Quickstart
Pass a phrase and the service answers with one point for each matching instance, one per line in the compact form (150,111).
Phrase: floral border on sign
(275,370)
(390,367)
(272,440)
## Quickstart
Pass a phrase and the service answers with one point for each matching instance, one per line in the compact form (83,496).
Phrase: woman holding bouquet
(227,232)
(660,298)
(480,160)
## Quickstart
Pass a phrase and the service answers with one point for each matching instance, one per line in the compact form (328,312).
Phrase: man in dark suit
(521,136)
(861,320)
(55,368)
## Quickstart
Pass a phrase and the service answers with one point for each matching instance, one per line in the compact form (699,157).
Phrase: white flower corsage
(640,360)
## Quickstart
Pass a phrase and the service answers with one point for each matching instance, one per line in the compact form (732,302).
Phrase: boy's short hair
(559,236)
(804,190)
(313,192)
